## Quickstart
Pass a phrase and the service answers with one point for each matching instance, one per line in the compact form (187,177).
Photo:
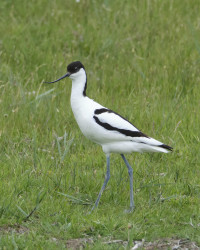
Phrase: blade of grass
(75,200)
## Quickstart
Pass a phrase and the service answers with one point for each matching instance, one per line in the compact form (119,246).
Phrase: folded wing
(111,121)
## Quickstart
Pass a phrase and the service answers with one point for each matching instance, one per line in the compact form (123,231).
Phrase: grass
(143,60)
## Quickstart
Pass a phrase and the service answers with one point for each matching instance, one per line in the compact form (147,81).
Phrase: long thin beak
(66,75)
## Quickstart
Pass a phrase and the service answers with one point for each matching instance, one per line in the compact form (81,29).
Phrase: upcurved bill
(66,75)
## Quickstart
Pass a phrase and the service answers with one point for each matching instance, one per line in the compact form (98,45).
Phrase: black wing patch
(122,131)
(109,127)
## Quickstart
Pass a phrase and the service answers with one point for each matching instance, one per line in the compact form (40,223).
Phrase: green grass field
(143,61)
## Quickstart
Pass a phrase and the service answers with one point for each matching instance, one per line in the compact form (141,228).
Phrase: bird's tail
(161,148)
(166,147)
(154,145)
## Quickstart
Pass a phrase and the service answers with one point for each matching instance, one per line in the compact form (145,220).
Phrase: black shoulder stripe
(100,111)
(166,147)
(104,110)
(122,131)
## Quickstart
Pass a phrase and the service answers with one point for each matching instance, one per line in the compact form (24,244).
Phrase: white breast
(83,110)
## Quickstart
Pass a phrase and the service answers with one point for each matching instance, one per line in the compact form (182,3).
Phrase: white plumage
(103,126)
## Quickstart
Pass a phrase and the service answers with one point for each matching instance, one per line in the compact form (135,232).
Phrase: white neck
(78,88)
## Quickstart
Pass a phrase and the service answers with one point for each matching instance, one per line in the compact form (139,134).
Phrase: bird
(107,128)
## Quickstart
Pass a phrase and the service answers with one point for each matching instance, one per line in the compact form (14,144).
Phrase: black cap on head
(74,67)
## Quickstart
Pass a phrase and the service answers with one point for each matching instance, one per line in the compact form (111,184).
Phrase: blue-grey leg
(130,172)
(105,182)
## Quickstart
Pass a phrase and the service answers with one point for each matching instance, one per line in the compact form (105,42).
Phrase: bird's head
(75,70)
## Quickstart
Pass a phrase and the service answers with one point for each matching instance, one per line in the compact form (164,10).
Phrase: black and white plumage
(105,127)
